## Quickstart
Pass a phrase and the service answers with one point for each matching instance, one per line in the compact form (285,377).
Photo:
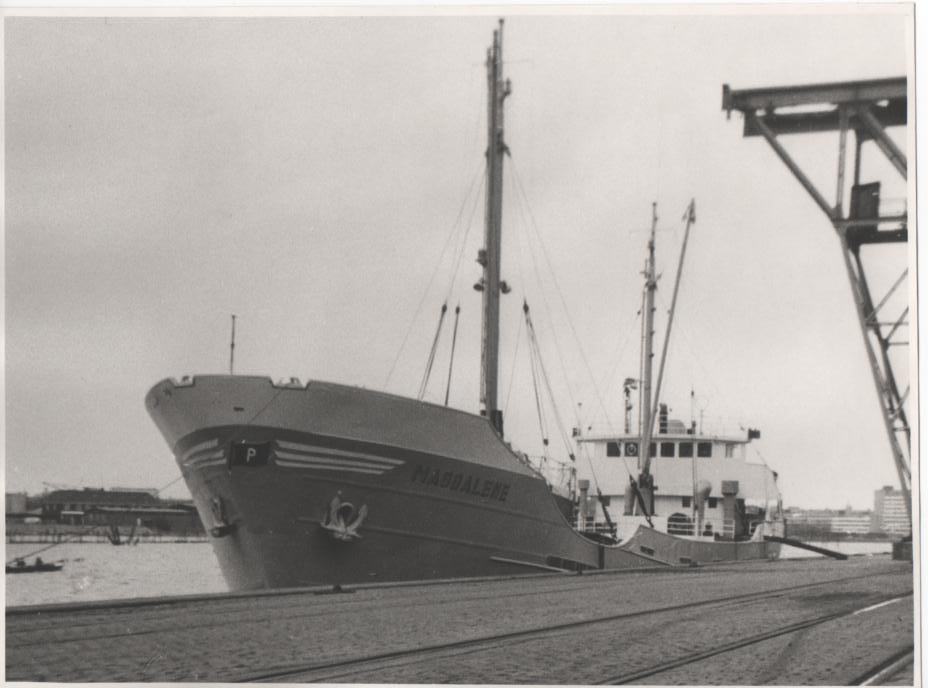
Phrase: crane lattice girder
(867,108)
(884,98)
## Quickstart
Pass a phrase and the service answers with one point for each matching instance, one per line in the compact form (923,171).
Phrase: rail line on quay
(634,677)
(220,617)
(339,669)
(887,668)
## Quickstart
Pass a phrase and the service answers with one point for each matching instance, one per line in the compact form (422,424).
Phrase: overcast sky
(306,173)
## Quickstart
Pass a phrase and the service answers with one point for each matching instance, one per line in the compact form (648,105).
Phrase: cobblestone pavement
(903,677)
(236,637)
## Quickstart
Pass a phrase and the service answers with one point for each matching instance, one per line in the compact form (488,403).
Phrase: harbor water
(100,571)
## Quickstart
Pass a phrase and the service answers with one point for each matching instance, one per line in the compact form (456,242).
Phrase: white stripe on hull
(211,458)
(324,467)
(209,444)
(326,460)
(311,449)
(303,456)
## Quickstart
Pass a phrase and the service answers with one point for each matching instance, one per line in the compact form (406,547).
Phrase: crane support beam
(885,98)
(867,108)
(834,93)
(791,164)
(880,137)
(892,289)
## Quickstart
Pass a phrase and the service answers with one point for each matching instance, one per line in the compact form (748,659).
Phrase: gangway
(866,109)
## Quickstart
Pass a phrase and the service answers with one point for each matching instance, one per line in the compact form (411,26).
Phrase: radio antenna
(232,349)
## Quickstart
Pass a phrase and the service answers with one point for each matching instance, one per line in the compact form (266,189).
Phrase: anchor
(338,519)
(223,527)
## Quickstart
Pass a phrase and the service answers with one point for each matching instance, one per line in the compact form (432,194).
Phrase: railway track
(366,664)
(637,676)
(97,616)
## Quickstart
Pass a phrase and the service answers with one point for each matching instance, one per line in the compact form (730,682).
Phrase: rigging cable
(534,225)
(431,360)
(512,375)
(428,285)
(463,245)
(533,339)
(533,357)
(454,339)
(573,330)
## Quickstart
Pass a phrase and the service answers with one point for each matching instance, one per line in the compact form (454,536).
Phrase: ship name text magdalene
(460,482)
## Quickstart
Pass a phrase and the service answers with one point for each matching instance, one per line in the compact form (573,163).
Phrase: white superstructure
(690,470)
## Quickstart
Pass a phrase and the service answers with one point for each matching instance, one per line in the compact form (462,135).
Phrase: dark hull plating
(328,484)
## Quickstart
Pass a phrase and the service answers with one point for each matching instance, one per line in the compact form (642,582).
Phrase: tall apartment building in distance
(889,512)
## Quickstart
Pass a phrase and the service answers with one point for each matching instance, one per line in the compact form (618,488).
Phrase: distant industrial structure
(88,508)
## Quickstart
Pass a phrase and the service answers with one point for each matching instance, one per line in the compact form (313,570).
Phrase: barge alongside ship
(321,483)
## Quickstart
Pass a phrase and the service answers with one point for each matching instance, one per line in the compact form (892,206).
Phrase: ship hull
(328,484)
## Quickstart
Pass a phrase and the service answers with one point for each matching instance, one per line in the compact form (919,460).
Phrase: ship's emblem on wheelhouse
(342,520)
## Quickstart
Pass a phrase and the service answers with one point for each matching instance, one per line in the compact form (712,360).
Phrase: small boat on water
(323,483)
(20,566)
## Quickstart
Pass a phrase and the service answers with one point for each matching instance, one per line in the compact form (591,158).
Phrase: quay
(796,622)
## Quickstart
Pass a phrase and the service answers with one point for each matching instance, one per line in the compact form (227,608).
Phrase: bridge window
(687,502)
(704,449)
(667,448)
(713,502)
(612,449)
(729,450)
(686,450)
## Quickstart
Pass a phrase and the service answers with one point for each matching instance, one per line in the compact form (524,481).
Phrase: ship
(319,483)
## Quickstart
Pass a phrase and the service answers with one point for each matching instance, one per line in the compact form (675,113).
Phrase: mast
(489,257)
(647,349)
(690,216)
(647,412)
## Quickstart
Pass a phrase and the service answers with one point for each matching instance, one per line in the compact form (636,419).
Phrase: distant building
(16,502)
(889,512)
(70,506)
(853,522)
(812,522)
(122,507)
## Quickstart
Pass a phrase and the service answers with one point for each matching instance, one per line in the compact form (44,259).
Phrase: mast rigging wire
(533,340)
(533,358)
(512,375)
(534,224)
(431,360)
(454,339)
(425,293)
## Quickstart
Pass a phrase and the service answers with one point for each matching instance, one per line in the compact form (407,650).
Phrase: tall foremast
(491,284)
